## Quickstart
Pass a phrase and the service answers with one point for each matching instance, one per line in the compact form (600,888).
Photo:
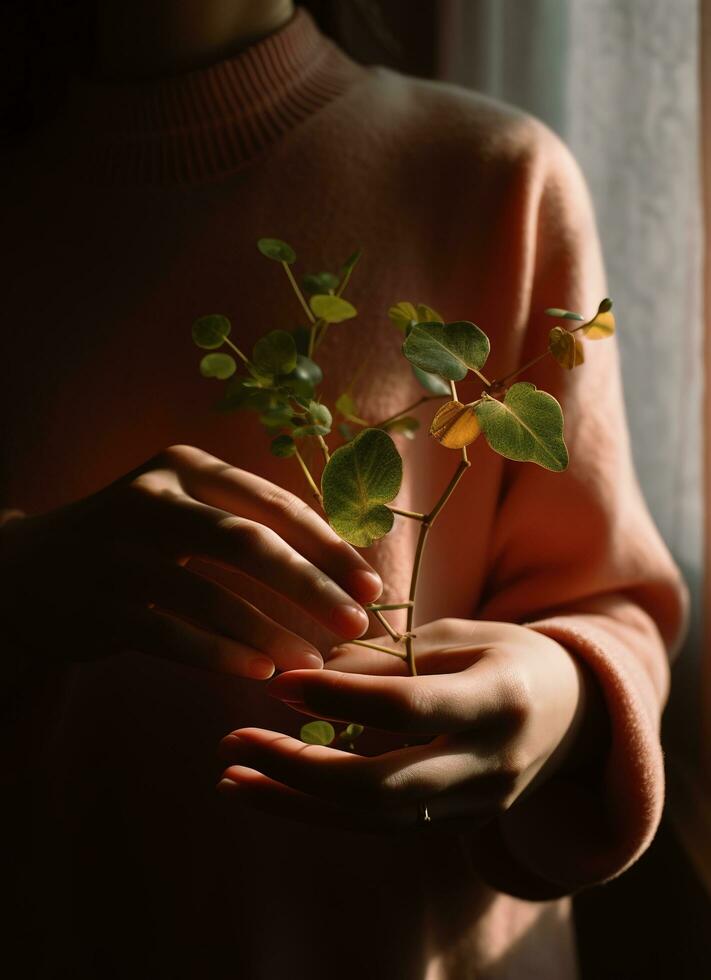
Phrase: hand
(107,573)
(508,707)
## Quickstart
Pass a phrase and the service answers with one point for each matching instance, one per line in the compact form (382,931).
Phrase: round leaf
(563,314)
(403,315)
(275,249)
(447,349)
(431,382)
(318,733)
(406,426)
(526,426)
(275,353)
(351,731)
(332,309)
(305,377)
(567,349)
(360,478)
(455,425)
(220,366)
(283,446)
(209,332)
(602,324)
(319,282)
(320,415)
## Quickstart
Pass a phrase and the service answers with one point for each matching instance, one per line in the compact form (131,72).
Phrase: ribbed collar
(209,123)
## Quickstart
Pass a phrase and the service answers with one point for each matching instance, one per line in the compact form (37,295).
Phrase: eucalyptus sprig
(361,478)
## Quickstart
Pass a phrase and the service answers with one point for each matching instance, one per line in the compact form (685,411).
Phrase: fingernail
(227,786)
(311,659)
(286,687)
(349,621)
(260,668)
(227,745)
(365,586)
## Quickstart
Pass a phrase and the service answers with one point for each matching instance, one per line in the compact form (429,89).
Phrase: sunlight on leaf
(455,425)
(209,332)
(526,426)
(566,348)
(332,309)
(425,314)
(275,249)
(602,324)
(403,315)
(406,426)
(351,732)
(359,480)
(447,349)
(563,314)
(220,366)
(317,733)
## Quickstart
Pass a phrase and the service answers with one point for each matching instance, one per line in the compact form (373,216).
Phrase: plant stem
(313,336)
(419,553)
(324,448)
(237,351)
(453,390)
(378,647)
(389,629)
(307,473)
(481,377)
(372,606)
(415,515)
(299,294)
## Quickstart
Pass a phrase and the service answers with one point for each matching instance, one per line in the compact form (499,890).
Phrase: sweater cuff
(585,827)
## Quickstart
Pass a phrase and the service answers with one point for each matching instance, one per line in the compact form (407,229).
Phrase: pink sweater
(136,211)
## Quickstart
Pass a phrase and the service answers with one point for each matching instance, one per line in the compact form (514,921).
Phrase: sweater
(133,212)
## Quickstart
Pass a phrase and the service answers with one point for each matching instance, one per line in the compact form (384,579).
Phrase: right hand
(107,573)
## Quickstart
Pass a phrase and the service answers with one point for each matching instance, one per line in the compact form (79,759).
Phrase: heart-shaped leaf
(209,332)
(274,353)
(283,446)
(567,349)
(277,250)
(526,426)
(317,733)
(360,478)
(447,349)
(563,314)
(431,382)
(332,309)
(403,315)
(220,366)
(455,425)
(602,324)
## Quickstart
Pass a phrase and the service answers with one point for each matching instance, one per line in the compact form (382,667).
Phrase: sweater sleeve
(576,556)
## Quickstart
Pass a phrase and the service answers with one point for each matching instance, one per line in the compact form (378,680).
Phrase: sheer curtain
(619,81)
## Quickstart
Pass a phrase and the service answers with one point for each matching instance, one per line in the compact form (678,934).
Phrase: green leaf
(220,366)
(447,349)
(360,478)
(318,733)
(403,315)
(351,731)
(431,382)
(319,282)
(425,314)
(351,262)
(332,309)
(346,431)
(283,446)
(279,417)
(562,314)
(209,332)
(275,249)
(275,353)
(406,426)
(320,415)
(526,426)
(304,379)
(238,394)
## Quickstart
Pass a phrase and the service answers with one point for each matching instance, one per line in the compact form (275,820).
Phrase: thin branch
(299,294)
(324,448)
(389,629)
(372,606)
(409,408)
(378,647)
(307,473)
(415,515)
(237,351)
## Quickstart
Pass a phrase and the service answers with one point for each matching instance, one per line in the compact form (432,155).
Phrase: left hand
(508,707)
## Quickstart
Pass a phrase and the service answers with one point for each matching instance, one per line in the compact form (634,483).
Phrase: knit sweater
(134,212)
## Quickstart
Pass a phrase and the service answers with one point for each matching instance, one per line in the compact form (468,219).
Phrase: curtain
(619,81)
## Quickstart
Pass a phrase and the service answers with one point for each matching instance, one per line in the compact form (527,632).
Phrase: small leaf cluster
(323,733)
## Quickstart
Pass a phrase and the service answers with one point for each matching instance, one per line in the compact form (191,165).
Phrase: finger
(142,575)
(379,783)
(151,631)
(425,705)
(254,549)
(360,660)
(239,492)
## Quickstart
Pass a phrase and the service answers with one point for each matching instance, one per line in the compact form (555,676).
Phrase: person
(145,537)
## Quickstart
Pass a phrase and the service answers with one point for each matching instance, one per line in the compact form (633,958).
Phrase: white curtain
(618,80)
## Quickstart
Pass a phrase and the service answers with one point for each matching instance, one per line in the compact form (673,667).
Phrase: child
(534,766)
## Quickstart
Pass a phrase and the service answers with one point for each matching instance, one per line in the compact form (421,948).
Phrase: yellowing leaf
(403,315)
(425,314)
(602,324)
(332,309)
(567,349)
(455,425)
